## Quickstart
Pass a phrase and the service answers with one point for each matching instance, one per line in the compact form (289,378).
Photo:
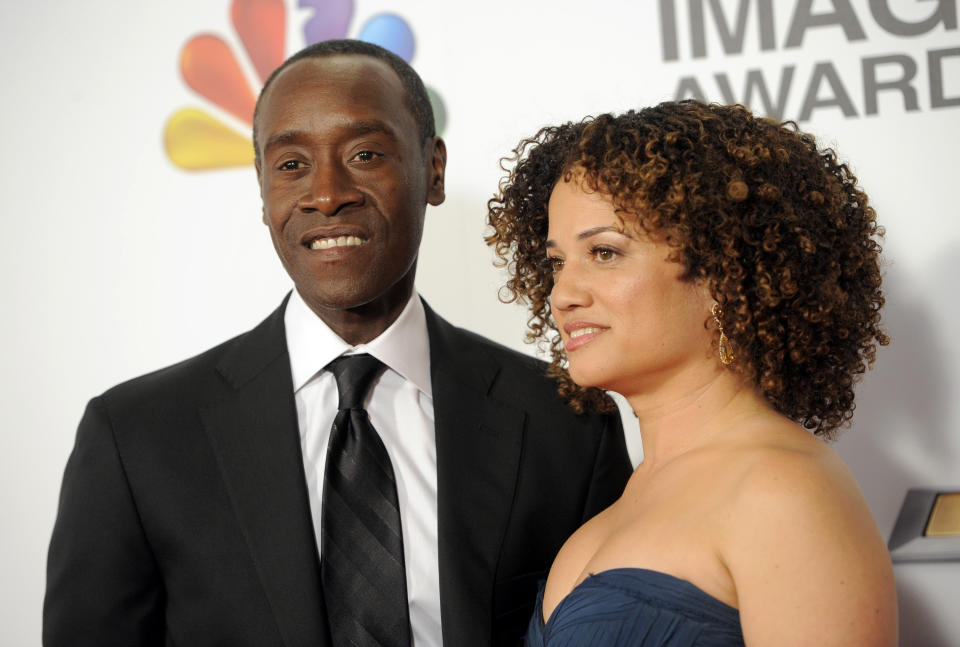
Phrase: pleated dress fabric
(633,607)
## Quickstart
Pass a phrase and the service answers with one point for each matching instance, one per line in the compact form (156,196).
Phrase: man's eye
(366,156)
(291,165)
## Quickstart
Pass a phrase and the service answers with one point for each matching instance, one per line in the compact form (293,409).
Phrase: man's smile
(337,236)
(338,241)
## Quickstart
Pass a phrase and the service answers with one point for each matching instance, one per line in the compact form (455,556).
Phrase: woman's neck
(693,413)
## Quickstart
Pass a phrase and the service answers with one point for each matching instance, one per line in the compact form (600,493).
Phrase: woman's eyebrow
(593,231)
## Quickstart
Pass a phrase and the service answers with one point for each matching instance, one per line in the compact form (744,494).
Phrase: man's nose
(571,289)
(331,189)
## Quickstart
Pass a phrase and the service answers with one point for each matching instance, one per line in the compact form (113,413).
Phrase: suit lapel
(478,456)
(255,435)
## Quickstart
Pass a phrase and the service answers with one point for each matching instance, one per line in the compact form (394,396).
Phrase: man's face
(345,178)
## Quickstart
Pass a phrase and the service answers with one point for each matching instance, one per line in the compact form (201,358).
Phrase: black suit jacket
(184,517)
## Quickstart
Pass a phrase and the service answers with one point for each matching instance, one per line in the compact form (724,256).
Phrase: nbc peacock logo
(198,139)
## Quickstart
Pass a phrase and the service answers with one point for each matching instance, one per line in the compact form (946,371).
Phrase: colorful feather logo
(195,139)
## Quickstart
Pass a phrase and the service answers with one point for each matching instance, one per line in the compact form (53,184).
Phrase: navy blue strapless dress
(635,607)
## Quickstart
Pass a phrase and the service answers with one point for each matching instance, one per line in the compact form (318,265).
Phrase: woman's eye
(553,264)
(603,254)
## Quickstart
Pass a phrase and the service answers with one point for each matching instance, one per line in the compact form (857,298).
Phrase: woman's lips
(580,334)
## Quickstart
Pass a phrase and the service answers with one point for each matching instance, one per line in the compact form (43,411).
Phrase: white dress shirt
(400,404)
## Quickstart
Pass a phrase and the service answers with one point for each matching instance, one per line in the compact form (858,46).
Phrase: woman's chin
(586,378)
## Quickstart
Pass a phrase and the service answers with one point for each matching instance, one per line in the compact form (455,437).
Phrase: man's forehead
(336,69)
(339,83)
(336,88)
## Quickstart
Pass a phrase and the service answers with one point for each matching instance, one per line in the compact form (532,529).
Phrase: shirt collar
(404,346)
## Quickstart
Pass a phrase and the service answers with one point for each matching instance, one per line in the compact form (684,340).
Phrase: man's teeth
(340,241)
(579,332)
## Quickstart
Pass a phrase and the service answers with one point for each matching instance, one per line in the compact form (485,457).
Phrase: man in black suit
(190,508)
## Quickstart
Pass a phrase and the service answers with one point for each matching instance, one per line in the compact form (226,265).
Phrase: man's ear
(263,206)
(437,157)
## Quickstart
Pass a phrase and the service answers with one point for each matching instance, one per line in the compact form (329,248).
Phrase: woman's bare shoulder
(806,557)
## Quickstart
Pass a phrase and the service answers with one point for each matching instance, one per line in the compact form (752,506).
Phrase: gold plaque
(945,516)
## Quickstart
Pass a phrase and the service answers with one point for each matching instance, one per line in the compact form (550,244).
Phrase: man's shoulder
(518,378)
(505,355)
(473,348)
(189,369)
(208,372)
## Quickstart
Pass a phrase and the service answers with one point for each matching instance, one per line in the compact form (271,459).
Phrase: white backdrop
(117,262)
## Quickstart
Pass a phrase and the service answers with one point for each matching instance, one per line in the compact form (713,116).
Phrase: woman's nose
(570,288)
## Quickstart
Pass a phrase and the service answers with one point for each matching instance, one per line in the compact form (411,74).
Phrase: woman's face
(627,320)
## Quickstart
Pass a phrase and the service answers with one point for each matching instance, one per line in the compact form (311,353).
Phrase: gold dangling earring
(725,355)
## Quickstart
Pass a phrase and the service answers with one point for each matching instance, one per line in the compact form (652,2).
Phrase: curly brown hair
(777,228)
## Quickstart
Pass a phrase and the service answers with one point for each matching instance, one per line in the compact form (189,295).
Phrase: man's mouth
(336,241)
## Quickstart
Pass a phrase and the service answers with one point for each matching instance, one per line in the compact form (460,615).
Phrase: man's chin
(339,301)
(364,300)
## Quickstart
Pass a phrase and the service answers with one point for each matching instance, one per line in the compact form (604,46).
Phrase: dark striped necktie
(361,551)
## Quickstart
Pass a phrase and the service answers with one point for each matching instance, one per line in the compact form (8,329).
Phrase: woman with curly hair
(721,273)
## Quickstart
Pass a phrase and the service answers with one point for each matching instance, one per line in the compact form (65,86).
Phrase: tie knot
(354,375)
